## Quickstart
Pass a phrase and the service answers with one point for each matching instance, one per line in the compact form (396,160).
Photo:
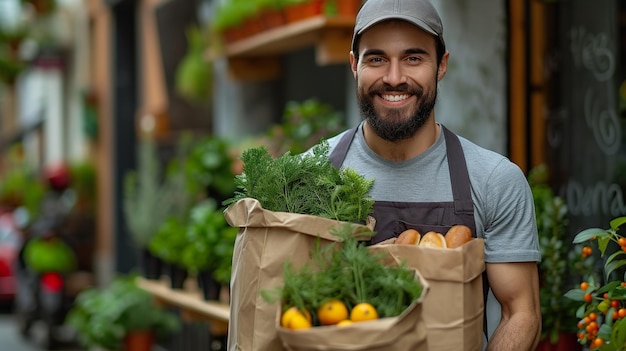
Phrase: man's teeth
(395,97)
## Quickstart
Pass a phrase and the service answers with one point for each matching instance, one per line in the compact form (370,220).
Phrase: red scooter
(47,271)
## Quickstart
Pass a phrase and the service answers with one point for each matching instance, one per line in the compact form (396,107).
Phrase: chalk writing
(555,122)
(603,122)
(593,53)
(593,200)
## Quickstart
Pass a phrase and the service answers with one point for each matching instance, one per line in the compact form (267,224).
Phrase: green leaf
(611,266)
(575,294)
(603,242)
(587,234)
(617,222)
(618,335)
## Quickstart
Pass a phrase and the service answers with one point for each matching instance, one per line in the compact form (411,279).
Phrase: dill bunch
(304,184)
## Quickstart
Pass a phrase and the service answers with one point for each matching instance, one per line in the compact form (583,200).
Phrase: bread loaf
(457,236)
(433,239)
(408,237)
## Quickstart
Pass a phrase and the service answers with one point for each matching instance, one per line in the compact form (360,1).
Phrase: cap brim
(409,19)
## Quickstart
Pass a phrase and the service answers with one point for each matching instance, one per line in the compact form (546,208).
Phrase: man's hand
(516,287)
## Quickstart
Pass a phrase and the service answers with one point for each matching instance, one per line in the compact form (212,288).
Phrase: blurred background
(120,118)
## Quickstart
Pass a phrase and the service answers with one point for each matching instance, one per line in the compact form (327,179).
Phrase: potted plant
(21,186)
(298,10)
(559,262)
(203,170)
(115,315)
(194,75)
(209,250)
(271,13)
(304,124)
(168,244)
(147,201)
(602,293)
(237,19)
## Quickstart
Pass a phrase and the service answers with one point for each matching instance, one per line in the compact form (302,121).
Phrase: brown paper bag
(405,332)
(454,307)
(266,240)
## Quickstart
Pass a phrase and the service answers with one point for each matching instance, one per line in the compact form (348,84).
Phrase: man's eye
(414,58)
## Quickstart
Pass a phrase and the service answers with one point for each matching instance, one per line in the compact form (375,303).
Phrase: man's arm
(516,287)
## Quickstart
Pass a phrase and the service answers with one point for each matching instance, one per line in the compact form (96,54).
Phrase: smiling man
(428,178)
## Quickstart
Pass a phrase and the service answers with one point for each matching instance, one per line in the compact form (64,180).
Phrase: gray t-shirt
(503,203)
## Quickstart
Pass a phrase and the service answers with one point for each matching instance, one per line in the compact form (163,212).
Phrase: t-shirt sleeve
(510,230)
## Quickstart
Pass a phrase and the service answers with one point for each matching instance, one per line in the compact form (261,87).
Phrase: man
(425,176)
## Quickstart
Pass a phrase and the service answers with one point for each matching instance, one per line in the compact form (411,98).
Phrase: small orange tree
(602,324)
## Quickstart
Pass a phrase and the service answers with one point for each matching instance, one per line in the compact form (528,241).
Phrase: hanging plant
(194,76)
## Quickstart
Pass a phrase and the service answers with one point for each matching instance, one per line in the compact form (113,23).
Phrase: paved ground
(11,340)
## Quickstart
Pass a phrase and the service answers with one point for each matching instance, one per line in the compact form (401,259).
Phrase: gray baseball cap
(418,12)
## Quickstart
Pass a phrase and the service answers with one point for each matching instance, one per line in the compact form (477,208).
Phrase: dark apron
(392,218)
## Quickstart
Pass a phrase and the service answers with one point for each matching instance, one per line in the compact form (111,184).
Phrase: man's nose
(395,75)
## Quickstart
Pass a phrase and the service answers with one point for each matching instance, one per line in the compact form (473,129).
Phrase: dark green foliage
(210,242)
(304,124)
(304,184)
(103,316)
(561,262)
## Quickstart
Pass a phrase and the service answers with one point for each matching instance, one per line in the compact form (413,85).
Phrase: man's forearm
(521,332)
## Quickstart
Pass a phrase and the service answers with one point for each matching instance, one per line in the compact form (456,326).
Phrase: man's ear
(443,66)
(353,63)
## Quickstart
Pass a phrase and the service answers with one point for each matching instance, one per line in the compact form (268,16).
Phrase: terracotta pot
(272,18)
(232,34)
(303,10)
(252,26)
(141,340)
(348,8)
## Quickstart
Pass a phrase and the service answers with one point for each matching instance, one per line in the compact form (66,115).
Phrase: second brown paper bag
(453,309)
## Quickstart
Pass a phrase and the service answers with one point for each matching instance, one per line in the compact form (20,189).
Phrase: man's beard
(395,127)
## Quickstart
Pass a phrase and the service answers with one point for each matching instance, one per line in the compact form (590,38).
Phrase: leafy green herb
(305,184)
(348,271)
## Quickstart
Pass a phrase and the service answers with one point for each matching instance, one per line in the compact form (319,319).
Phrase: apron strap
(463,204)
(338,155)
(459,177)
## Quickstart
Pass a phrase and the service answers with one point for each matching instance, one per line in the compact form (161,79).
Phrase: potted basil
(115,315)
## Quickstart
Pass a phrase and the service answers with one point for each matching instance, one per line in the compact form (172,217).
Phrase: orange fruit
(332,312)
(363,312)
(344,322)
(299,321)
(290,313)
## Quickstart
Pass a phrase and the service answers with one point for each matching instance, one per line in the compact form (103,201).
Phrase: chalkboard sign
(585,125)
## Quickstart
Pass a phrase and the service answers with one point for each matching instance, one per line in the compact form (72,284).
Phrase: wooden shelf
(258,57)
(191,303)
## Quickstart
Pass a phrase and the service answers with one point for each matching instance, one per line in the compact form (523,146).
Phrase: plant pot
(209,286)
(141,340)
(566,342)
(348,8)
(151,265)
(303,10)
(272,18)
(178,275)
